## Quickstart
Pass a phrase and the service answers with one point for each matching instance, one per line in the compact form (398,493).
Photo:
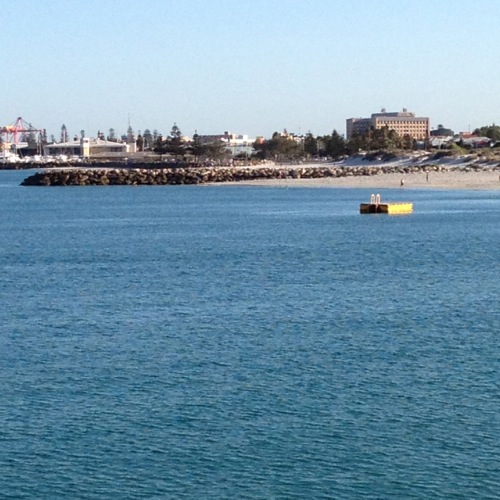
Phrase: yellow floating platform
(377,207)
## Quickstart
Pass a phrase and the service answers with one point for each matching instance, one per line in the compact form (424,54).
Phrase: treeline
(282,146)
(288,146)
(175,145)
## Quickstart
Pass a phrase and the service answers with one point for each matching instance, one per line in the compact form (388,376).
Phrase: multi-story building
(357,126)
(402,122)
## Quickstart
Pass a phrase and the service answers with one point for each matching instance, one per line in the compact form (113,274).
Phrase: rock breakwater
(198,175)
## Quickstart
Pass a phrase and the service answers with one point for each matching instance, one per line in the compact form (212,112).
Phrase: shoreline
(374,177)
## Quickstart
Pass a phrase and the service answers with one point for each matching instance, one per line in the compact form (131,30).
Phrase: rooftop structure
(441,132)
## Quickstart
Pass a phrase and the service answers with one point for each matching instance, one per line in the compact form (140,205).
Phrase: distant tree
(335,145)
(262,149)
(311,146)
(52,138)
(174,143)
(64,133)
(82,133)
(175,133)
(197,148)
(130,135)
(111,135)
(216,150)
(380,139)
(394,141)
(140,142)
(321,146)
(490,131)
(408,142)
(159,144)
(148,139)
(280,147)
(357,142)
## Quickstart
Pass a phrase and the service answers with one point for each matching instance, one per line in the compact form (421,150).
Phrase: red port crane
(18,132)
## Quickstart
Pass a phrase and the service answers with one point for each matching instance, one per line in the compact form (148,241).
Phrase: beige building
(402,122)
(86,148)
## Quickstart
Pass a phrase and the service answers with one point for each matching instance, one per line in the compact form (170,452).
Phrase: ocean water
(245,342)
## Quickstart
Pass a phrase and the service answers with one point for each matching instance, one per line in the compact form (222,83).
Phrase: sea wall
(198,175)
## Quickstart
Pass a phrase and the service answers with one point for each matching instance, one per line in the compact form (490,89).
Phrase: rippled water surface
(245,342)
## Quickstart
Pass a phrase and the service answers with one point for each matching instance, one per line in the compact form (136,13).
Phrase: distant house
(475,142)
(442,141)
(235,143)
(86,148)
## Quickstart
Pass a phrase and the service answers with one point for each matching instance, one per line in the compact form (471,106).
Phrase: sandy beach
(483,180)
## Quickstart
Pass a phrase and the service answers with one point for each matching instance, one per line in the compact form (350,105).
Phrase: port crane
(16,135)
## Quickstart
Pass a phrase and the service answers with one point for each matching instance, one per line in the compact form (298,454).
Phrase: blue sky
(247,66)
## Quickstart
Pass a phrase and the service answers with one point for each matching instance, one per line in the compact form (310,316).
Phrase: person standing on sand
(402,183)
(427,176)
